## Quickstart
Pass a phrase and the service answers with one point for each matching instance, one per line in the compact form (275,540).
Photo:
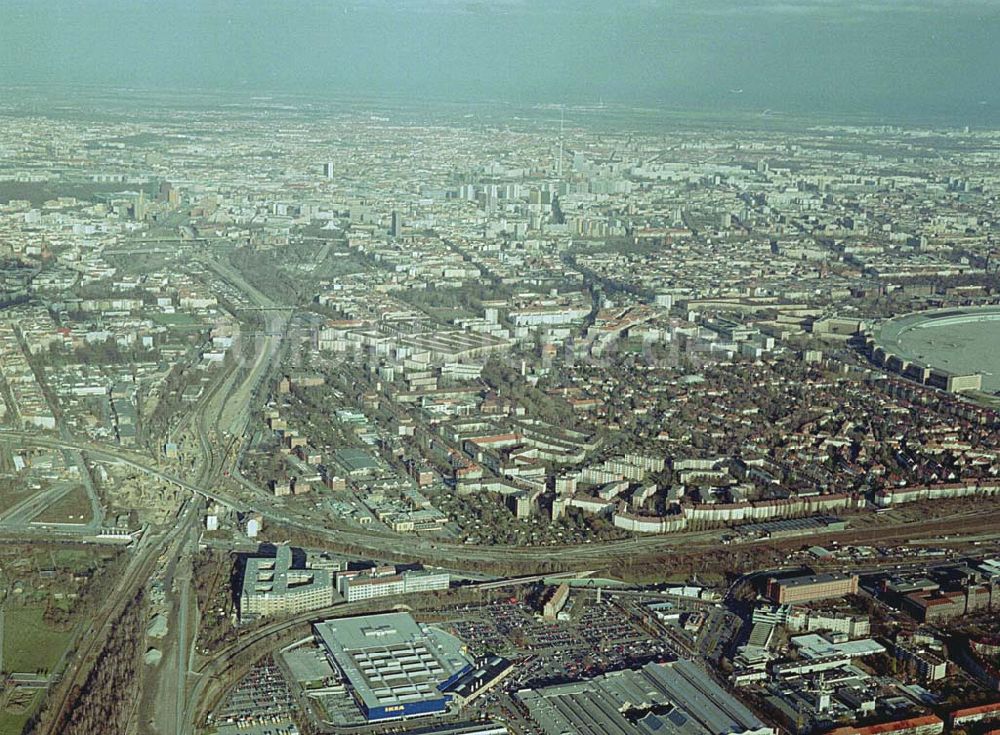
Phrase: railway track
(137,574)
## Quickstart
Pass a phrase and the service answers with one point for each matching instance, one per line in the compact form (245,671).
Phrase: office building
(386,581)
(274,586)
(811,587)
(935,606)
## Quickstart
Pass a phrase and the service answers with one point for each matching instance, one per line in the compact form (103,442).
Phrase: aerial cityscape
(334,413)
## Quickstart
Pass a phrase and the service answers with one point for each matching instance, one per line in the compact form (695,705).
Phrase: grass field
(13,724)
(12,492)
(73,557)
(28,643)
(175,320)
(447,315)
(73,507)
(38,192)
(23,705)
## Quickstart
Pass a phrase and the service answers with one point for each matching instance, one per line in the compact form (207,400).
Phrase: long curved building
(956,350)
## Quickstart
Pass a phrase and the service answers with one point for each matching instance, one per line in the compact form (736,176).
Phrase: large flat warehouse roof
(391,660)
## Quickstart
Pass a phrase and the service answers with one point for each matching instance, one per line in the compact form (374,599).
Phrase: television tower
(559,164)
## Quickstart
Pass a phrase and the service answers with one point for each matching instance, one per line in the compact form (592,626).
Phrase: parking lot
(598,635)
(261,704)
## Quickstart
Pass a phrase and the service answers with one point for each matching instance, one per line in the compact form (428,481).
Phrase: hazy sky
(898,59)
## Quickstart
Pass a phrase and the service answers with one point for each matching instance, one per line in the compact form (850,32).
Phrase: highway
(235,409)
(218,425)
(225,411)
(387,543)
(219,422)
(114,455)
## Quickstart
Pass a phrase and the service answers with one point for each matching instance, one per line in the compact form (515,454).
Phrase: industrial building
(274,586)
(933,606)
(484,727)
(811,587)
(813,647)
(474,682)
(677,698)
(395,667)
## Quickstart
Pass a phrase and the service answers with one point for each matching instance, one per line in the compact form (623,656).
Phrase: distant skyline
(901,61)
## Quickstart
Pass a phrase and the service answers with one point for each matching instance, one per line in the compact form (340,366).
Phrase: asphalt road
(218,422)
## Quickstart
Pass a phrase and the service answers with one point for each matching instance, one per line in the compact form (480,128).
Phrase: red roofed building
(927,725)
(982,713)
